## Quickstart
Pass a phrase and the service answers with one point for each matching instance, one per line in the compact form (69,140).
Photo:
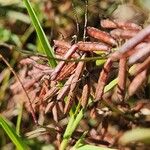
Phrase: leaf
(12,134)
(41,35)
(92,147)
(110,85)
(138,134)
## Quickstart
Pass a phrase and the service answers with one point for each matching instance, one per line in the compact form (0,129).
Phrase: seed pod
(66,71)
(74,84)
(49,107)
(51,93)
(131,43)
(62,44)
(137,82)
(140,67)
(102,80)
(62,93)
(101,35)
(122,34)
(62,51)
(143,52)
(121,79)
(55,112)
(85,95)
(119,24)
(92,46)
(62,63)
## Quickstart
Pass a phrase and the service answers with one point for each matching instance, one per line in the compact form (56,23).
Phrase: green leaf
(91,147)
(138,134)
(110,85)
(12,134)
(41,35)
(100,62)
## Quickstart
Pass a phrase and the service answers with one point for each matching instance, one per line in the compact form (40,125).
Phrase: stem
(72,125)
(19,119)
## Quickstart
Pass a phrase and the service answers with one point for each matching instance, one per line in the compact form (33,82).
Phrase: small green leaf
(12,134)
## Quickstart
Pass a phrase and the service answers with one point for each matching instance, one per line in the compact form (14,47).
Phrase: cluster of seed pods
(79,82)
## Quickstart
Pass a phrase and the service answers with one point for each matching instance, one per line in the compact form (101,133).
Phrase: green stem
(19,119)
(72,125)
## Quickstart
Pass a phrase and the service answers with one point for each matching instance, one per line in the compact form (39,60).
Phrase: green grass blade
(12,134)
(111,85)
(20,109)
(41,35)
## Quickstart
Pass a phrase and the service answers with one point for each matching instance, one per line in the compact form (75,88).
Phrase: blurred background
(60,20)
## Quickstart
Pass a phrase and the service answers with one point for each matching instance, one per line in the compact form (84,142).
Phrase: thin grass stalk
(17,77)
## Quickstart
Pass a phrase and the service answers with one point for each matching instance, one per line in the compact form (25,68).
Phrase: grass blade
(20,109)
(41,35)
(12,134)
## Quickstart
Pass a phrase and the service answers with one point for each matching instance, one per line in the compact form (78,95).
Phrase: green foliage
(12,134)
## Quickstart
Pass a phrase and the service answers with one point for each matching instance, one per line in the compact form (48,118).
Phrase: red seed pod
(131,43)
(119,24)
(121,79)
(92,46)
(137,82)
(102,80)
(62,51)
(123,34)
(141,53)
(85,95)
(101,35)
(74,84)
(140,67)
(66,71)
(63,91)
(62,44)
(62,63)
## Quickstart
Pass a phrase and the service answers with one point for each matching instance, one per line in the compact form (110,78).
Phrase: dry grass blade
(131,43)
(92,46)
(137,82)
(119,24)
(102,80)
(74,84)
(62,63)
(101,35)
